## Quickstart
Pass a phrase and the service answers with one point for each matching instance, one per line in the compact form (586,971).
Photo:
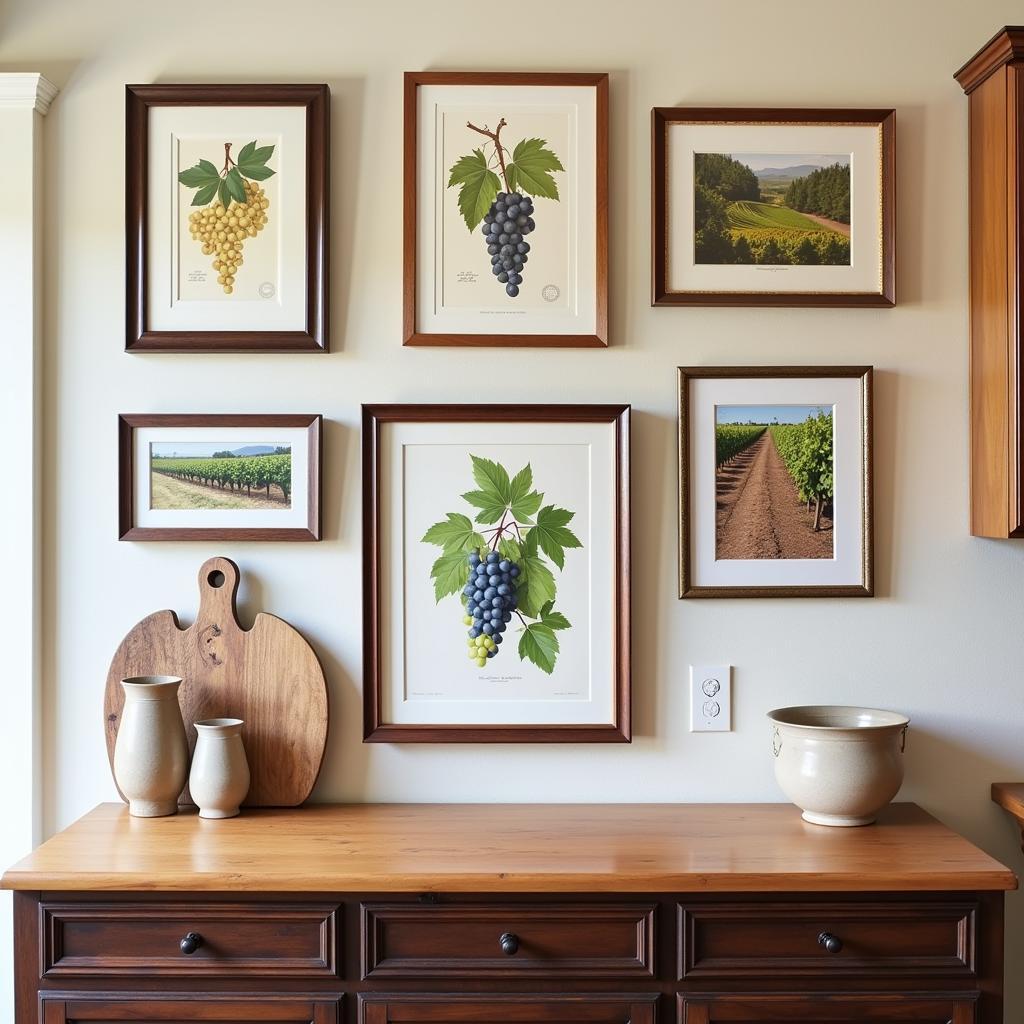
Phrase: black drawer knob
(509,944)
(191,943)
(830,943)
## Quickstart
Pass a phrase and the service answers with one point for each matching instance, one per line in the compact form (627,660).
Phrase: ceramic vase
(219,779)
(151,752)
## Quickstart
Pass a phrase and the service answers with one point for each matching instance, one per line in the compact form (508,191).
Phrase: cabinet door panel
(821,1008)
(195,1008)
(506,1009)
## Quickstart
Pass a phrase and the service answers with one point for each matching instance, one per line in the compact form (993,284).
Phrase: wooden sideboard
(518,914)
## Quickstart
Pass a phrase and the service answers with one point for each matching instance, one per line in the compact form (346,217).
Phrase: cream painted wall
(942,641)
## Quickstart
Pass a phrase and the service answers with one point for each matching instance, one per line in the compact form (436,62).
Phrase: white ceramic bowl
(840,765)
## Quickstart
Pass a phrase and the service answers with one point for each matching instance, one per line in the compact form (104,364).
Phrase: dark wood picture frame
(663,118)
(127,475)
(687,588)
(375,729)
(410,331)
(138,101)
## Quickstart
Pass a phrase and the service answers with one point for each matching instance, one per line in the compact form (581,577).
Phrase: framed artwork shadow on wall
(506,209)
(775,481)
(227,197)
(773,207)
(496,573)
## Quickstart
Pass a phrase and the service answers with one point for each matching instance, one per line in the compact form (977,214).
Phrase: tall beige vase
(219,779)
(151,752)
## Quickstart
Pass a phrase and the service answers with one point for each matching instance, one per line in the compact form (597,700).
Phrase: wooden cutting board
(268,676)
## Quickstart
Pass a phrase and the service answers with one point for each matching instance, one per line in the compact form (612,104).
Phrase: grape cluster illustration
(506,226)
(501,572)
(490,600)
(507,215)
(234,205)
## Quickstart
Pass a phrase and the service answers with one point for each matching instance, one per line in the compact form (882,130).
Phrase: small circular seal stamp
(267,290)
(550,292)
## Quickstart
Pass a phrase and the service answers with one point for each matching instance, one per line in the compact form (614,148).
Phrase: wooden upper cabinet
(994,82)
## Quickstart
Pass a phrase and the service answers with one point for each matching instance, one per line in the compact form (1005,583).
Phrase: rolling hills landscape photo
(772,209)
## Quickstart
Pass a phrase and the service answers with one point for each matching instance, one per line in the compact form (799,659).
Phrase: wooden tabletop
(508,848)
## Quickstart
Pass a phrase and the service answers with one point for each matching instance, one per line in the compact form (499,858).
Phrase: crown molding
(26,90)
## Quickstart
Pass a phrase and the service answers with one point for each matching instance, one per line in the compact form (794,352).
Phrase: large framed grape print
(773,207)
(506,209)
(496,573)
(226,192)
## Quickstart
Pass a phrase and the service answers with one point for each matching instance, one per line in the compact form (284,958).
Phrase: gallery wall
(941,642)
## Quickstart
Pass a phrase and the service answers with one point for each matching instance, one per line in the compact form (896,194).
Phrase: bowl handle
(777,741)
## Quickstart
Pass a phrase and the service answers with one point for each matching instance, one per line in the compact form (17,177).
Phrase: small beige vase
(219,779)
(151,752)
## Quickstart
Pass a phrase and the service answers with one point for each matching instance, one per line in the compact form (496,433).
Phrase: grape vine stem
(498,148)
(228,162)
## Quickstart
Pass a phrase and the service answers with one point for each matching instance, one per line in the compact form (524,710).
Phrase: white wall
(942,641)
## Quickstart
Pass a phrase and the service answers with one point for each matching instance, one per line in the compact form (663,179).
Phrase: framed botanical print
(219,477)
(496,573)
(775,482)
(769,207)
(506,209)
(227,218)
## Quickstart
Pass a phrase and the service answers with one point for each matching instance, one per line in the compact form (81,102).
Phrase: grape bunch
(222,232)
(489,599)
(506,225)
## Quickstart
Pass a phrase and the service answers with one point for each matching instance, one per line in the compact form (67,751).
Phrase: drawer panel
(507,940)
(753,939)
(272,940)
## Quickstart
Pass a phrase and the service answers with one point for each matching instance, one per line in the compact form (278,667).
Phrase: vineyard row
(239,473)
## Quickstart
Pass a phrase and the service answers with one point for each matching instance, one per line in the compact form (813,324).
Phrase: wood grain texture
(461,1008)
(901,1008)
(662,120)
(410,330)
(127,473)
(315,99)
(1006,45)
(196,1006)
(535,848)
(268,676)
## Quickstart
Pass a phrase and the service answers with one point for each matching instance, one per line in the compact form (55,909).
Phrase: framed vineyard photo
(226,191)
(506,209)
(770,207)
(775,482)
(496,573)
(219,477)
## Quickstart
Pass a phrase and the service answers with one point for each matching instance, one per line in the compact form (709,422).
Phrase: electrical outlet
(710,698)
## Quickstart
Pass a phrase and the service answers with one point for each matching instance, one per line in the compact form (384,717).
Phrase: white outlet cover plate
(710,698)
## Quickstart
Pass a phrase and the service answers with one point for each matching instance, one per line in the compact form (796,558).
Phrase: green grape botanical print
(505,204)
(497,563)
(234,206)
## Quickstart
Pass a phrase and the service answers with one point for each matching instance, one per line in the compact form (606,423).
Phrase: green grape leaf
(246,152)
(521,484)
(235,186)
(489,502)
(449,574)
(531,167)
(527,507)
(205,194)
(479,186)
(552,534)
(258,172)
(491,476)
(535,585)
(553,619)
(539,645)
(510,549)
(223,194)
(455,533)
(201,175)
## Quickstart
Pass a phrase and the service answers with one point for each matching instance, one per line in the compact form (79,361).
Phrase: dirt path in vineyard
(758,511)
(168,492)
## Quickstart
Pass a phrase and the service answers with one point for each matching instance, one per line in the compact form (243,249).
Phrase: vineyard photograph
(199,475)
(772,209)
(774,482)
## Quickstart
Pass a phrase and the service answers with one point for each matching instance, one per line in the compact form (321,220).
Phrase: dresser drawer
(752,939)
(506,940)
(271,940)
